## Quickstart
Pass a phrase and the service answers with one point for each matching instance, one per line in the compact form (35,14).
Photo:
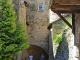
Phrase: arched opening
(36,51)
(33,50)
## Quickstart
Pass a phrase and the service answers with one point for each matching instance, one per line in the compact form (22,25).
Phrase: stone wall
(38,22)
(20,10)
(35,23)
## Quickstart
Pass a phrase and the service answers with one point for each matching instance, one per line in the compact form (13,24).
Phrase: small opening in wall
(41,7)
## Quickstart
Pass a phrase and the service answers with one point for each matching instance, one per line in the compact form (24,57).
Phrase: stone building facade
(35,20)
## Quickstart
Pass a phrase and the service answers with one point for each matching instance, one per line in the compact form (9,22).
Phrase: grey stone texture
(38,22)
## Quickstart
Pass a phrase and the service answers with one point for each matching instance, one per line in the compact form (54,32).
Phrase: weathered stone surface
(35,23)
(38,22)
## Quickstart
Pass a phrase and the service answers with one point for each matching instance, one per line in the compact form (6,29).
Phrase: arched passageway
(33,50)
(36,51)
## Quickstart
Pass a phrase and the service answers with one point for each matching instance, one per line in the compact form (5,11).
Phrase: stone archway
(36,51)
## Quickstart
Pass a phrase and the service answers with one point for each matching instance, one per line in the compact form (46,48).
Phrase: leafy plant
(12,36)
(58,38)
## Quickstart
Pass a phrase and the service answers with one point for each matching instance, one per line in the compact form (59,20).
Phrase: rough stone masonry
(35,20)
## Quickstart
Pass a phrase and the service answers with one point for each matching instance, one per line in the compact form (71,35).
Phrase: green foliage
(12,36)
(58,38)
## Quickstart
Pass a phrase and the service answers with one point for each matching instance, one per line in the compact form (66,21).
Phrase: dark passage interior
(36,51)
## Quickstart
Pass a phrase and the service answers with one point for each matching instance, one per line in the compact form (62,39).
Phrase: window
(41,7)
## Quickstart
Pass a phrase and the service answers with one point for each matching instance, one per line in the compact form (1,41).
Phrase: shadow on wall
(62,51)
